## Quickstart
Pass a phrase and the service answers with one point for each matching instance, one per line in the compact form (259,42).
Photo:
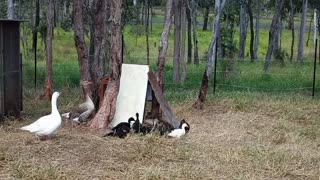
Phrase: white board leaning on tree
(132,93)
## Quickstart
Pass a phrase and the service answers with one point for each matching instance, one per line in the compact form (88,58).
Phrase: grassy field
(257,126)
(237,136)
(249,75)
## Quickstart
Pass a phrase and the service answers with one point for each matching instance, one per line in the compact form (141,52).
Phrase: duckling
(122,129)
(178,133)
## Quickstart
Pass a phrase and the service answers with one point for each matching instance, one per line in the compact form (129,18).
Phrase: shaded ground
(245,138)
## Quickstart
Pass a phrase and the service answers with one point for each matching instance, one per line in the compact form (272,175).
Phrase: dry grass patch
(229,139)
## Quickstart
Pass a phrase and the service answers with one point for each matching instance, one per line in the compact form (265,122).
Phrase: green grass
(246,76)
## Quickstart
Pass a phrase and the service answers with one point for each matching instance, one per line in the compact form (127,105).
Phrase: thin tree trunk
(188,12)
(194,5)
(106,112)
(291,20)
(147,29)
(275,26)
(211,58)
(48,85)
(36,26)
(309,31)
(150,16)
(257,38)
(142,14)
(205,18)
(55,15)
(163,47)
(177,41)
(96,63)
(80,44)
(10,10)
(251,31)
(302,30)
(314,26)
(243,31)
(183,42)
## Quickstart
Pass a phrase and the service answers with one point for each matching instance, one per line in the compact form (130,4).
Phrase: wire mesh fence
(231,75)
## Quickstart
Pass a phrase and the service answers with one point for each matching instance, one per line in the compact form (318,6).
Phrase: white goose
(46,125)
(82,112)
(178,133)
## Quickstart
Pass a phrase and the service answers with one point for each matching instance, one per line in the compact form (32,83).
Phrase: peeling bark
(163,47)
(211,57)
(107,110)
(99,50)
(48,85)
(80,44)
(274,28)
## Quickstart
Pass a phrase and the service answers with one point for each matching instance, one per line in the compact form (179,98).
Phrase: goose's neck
(88,99)
(54,108)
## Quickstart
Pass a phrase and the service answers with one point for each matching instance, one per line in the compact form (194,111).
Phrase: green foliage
(280,56)
(66,24)
(130,13)
(3,9)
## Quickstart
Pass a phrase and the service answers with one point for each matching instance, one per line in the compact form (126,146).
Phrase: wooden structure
(134,89)
(10,68)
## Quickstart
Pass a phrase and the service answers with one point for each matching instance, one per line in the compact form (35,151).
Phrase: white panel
(132,93)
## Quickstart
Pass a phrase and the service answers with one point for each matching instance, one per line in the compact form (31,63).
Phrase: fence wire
(242,76)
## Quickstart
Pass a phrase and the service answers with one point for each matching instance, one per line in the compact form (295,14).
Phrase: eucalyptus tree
(177,4)
(48,83)
(250,13)
(189,32)
(243,29)
(80,43)
(194,7)
(257,5)
(108,106)
(211,56)
(10,12)
(302,30)
(163,48)
(274,29)
(206,5)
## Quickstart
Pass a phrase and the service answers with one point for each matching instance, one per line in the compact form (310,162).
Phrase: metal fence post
(314,67)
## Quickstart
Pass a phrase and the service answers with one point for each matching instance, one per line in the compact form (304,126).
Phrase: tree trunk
(205,18)
(177,41)
(55,9)
(35,38)
(80,44)
(163,47)
(10,11)
(188,12)
(314,26)
(291,20)
(36,26)
(48,85)
(96,63)
(211,57)
(150,16)
(106,112)
(309,31)
(147,28)
(251,31)
(243,31)
(183,42)
(302,30)
(256,42)
(194,4)
(275,26)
